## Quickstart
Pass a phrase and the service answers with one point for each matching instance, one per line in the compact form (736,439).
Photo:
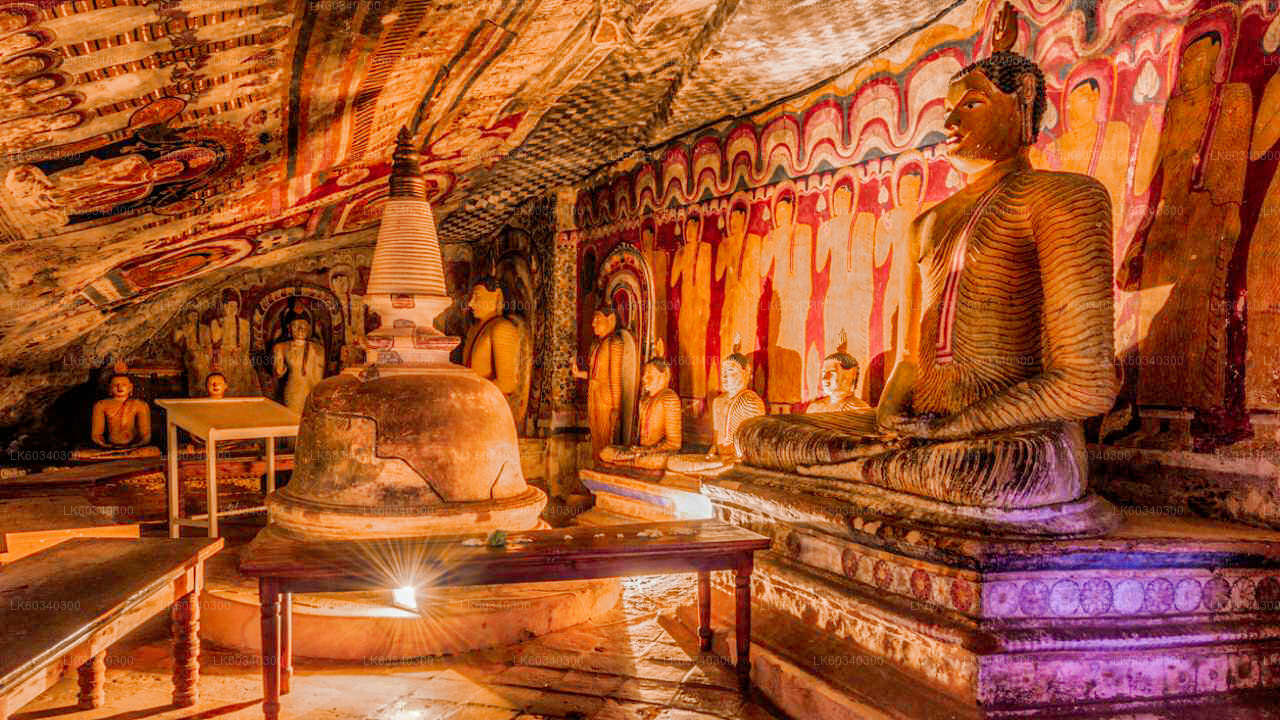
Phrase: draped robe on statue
(1014,343)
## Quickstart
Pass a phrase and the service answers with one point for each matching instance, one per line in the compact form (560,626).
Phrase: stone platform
(369,627)
(30,524)
(863,615)
(626,495)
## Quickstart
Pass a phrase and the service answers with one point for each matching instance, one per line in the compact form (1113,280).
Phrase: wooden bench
(64,606)
(285,565)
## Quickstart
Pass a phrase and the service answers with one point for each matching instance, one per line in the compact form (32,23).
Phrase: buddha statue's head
(839,376)
(656,376)
(486,299)
(994,108)
(230,306)
(216,385)
(735,373)
(604,321)
(120,386)
(1195,70)
(299,329)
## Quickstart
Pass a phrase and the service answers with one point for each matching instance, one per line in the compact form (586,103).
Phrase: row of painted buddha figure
(1007,341)
(660,430)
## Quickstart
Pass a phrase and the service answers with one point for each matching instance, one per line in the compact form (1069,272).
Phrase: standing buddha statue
(300,361)
(604,381)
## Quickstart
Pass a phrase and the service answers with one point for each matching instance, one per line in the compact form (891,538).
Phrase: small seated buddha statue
(121,423)
(729,410)
(661,423)
(839,380)
(1007,343)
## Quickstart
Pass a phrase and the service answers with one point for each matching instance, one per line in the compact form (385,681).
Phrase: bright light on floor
(405,597)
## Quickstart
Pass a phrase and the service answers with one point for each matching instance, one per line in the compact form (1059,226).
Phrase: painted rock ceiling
(146,145)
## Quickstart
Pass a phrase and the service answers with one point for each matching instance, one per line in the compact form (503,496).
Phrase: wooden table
(64,606)
(240,418)
(284,566)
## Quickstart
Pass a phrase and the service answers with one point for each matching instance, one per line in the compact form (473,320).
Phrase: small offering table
(62,607)
(241,418)
(284,565)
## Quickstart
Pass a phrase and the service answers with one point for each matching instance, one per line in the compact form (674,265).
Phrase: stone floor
(628,665)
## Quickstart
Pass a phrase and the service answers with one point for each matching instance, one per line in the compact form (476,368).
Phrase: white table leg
(211,474)
(172,431)
(271,464)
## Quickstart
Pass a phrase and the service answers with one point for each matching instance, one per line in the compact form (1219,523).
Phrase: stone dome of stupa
(410,444)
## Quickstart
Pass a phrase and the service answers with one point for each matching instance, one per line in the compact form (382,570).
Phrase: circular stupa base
(314,520)
(368,627)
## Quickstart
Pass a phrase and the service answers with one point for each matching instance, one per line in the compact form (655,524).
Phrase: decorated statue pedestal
(627,495)
(410,445)
(859,612)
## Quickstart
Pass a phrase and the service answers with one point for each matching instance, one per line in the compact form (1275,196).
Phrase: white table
(239,418)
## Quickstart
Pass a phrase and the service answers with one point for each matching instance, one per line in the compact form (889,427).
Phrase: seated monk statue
(1007,343)
(121,424)
(729,410)
(497,347)
(661,423)
(839,383)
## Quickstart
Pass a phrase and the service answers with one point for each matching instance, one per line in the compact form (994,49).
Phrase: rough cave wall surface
(784,228)
(149,149)
(228,325)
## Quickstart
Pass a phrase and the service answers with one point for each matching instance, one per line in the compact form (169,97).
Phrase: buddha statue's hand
(920,427)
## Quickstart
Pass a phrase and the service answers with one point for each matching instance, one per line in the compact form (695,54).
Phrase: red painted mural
(784,228)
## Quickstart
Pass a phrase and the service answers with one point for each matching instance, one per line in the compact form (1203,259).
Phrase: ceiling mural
(144,143)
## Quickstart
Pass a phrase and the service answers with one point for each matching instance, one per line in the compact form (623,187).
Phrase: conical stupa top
(406,260)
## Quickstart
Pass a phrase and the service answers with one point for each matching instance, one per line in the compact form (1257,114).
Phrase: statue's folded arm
(1071,224)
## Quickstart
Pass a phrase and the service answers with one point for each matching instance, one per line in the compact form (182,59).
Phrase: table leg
(704,609)
(92,674)
(269,600)
(211,479)
(174,507)
(271,464)
(742,633)
(185,625)
(286,642)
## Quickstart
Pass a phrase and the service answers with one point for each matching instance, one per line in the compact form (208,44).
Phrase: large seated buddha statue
(1008,340)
